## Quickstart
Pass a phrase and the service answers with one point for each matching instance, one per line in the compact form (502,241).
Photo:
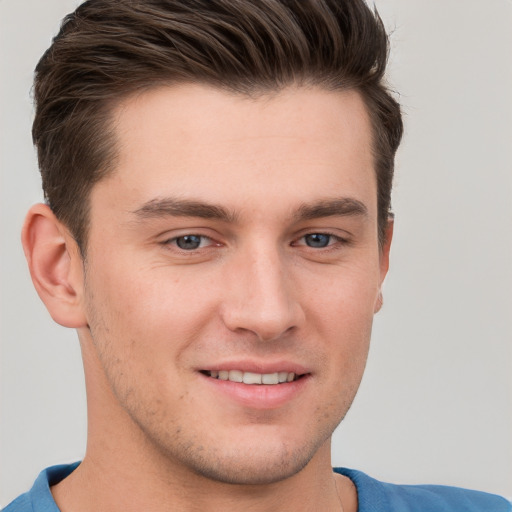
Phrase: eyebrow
(330,208)
(175,207)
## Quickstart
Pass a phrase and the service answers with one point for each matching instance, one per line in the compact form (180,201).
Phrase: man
(218,180)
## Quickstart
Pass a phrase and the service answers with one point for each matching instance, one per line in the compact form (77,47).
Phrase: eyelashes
(321,240)
(193,242)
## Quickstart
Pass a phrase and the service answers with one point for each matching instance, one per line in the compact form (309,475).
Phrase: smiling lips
(253,378)
(266,391)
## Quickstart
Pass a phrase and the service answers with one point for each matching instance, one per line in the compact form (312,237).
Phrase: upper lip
(257,367)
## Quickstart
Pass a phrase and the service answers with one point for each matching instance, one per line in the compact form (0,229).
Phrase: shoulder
(374,495)
(20,504)
(39,498)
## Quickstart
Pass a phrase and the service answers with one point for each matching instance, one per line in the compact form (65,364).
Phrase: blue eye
(317,240)
(189,242)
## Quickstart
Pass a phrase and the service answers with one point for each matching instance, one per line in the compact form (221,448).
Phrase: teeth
(270,378)
(236,376)
(253,378)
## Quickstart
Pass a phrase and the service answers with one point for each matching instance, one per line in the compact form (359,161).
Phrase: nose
(260,296)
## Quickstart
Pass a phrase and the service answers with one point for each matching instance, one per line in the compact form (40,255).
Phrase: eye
(190,242)
(318,240)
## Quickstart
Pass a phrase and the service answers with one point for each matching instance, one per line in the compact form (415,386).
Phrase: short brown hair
(108,49)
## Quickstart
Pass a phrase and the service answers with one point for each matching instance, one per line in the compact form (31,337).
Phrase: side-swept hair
(108,49)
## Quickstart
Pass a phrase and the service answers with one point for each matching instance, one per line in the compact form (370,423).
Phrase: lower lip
(259,396)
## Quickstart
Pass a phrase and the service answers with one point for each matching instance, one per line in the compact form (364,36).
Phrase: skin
(150,316)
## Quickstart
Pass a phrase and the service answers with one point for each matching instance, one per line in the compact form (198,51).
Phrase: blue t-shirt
(373,496)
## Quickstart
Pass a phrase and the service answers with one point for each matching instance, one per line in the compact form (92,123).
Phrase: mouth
(267,379)
(266,387)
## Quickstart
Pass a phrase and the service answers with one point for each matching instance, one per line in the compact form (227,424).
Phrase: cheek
(342,316)
(148,311)
(344,299)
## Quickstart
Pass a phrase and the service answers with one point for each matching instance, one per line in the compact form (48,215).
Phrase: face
(237,239)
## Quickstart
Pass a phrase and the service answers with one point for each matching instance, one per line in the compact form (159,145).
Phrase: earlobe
(379,302)
(55,266)
(384,262)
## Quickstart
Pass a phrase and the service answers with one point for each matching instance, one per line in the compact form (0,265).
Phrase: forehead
(199,142)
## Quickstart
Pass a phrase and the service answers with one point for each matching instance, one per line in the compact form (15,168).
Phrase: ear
(384,261)
(55,265)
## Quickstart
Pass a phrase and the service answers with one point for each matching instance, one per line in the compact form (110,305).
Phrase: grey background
(435,405)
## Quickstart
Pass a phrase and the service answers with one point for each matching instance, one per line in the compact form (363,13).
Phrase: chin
(252,468)
(256,455)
